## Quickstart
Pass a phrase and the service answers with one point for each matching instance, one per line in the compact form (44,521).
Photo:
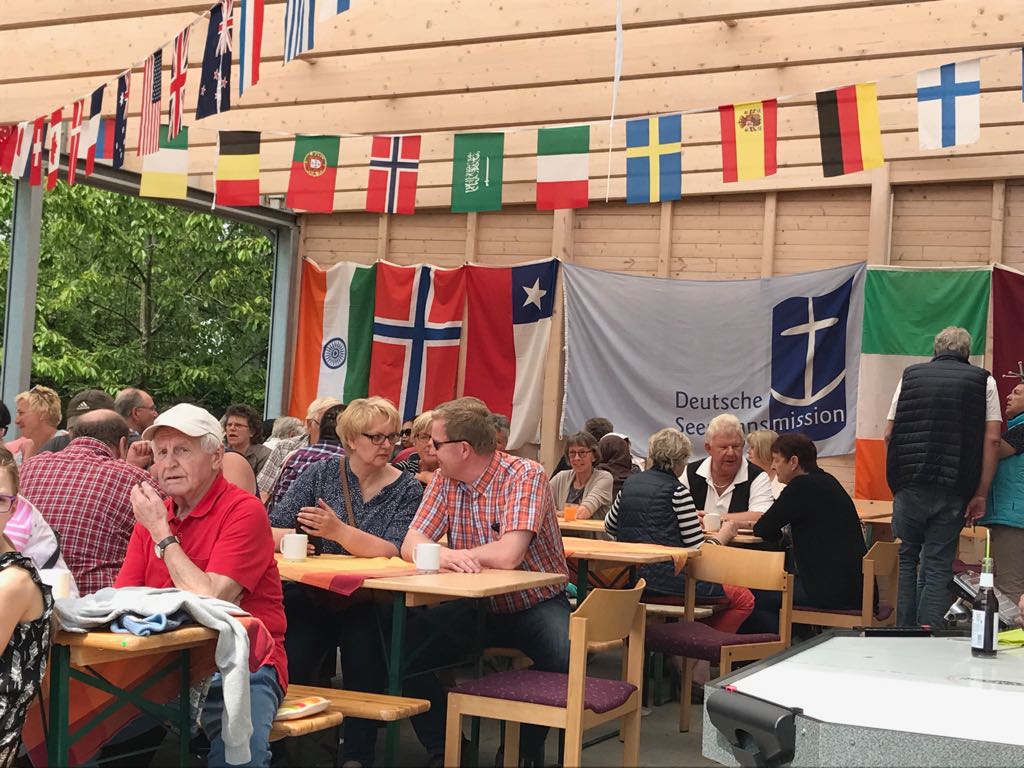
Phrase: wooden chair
(573,701)
(694,640)
(881,566)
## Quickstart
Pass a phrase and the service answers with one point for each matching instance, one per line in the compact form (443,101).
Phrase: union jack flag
(149,125)
(176,91)
(394,170)
(75,138)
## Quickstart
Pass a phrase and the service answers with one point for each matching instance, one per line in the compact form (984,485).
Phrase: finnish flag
(948,105)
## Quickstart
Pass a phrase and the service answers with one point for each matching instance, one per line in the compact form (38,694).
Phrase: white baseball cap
(188,419)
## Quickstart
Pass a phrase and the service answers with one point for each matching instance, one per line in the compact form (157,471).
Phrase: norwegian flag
(35,167)
(74,139)
(92,128)
(394,169)
(149,125)
(176,89)
(56,129)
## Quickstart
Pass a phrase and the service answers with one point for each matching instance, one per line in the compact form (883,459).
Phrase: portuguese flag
(335,334)
(903,310)
(563,167)
(238,168)
(314,169)
(851,136)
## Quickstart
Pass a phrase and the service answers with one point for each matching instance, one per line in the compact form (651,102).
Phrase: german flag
(851,136)
(748,140)
(238,168)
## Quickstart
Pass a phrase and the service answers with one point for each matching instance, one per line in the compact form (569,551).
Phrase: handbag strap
(346,493)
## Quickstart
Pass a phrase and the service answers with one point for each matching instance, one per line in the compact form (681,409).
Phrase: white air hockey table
(884,701)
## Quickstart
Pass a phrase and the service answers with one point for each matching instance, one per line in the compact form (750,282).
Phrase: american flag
(149,125)
(176,91)
(394,170)
(75,138)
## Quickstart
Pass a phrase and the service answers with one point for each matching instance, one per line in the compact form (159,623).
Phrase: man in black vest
(943,443)
(725,481)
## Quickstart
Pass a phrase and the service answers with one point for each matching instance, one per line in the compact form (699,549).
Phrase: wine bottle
(985,614)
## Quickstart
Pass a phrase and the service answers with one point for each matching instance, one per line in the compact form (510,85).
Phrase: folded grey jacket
(232,653)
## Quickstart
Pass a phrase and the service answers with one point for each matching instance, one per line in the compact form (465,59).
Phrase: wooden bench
(659,611)
(370,706)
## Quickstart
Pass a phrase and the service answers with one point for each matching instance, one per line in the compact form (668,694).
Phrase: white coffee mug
(712,522)
(293,546)
(59,581)
(427,557)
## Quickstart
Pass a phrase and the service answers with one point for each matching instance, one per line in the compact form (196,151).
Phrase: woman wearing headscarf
(616,460)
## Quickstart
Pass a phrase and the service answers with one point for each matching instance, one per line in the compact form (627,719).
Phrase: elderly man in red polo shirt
(210,538)
(498,512)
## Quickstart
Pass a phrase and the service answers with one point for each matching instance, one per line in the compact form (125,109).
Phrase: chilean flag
(417,327)
(507,341)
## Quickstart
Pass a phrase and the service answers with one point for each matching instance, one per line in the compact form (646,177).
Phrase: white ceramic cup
(712,522)
(293,546)
(59,581)
(426,556)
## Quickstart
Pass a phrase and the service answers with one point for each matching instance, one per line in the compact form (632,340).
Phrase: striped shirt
(512,494)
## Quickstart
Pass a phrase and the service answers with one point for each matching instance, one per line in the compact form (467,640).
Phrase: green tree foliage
(137,293)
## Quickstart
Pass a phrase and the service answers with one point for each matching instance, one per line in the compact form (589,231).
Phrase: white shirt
(992,412)
(760,489)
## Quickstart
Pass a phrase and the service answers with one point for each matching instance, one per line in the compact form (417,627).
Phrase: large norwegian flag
(417,327)
(507,341)
(394,169)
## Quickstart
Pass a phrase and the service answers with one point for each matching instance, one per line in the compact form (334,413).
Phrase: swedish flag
(654,159)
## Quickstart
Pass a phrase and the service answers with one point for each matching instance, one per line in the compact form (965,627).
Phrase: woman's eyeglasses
(7,502)
(579,454)
(392,438)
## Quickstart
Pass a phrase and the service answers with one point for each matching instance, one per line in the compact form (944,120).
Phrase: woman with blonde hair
(37,416)
(759,453)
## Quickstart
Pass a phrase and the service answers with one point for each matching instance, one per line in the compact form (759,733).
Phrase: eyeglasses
(406,432)
(392,438)
(7,502)
(579,454)
(439,443)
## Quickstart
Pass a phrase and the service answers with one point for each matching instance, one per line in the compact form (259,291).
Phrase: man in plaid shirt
(498,512)
(84,493)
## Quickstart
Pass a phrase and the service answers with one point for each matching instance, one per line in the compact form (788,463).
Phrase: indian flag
(563,167)
(335,334)
(903,310)
(165,172)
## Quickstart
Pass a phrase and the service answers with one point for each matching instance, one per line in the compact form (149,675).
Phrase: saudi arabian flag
(563,167)
(335,333)
(903,310)
(476,171)
(165,172)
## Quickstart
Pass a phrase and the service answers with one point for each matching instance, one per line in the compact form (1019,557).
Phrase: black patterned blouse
(22,664)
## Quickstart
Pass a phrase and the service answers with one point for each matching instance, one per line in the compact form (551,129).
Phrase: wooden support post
(665,241)
(471,229)
(550,440)
(383,236)
(768,234)
(880,222)
(995,246)
(472,224)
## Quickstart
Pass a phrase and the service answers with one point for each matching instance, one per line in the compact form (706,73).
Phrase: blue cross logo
(947,92)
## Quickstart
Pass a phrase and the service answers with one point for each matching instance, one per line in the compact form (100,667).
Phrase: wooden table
(871,510)
(417,589)
(594,554)
(73,657)
(581,526)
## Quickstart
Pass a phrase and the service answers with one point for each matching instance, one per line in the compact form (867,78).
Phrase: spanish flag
(238,168)
(851,136)
(748,140)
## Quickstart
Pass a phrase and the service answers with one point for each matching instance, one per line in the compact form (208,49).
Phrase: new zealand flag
(215,80)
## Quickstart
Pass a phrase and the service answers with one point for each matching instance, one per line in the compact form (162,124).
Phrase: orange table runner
(341,574)
(593,549)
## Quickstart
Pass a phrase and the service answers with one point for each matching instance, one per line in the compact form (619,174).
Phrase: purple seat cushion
(548,688)
(882,612)
(696,640)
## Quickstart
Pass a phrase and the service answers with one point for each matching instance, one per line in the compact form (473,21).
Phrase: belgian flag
(238,168)
(851,136)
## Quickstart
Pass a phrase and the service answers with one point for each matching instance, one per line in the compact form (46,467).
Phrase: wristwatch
(164,544)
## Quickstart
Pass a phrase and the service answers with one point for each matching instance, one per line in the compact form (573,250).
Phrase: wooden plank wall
(709,237)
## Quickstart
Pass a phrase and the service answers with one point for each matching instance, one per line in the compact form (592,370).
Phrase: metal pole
(22,278)
(286,240)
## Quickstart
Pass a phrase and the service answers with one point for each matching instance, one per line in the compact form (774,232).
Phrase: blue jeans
(928,522)
(265,697)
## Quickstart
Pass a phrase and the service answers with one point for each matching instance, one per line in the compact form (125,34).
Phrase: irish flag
(165,172)
(563,167)
(903,310)
(332,350)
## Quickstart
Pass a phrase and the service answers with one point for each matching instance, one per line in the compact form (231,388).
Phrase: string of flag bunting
(948,102)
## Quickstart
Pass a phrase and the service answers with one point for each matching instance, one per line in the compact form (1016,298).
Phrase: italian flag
(563,167)
(903,310)
(335,333)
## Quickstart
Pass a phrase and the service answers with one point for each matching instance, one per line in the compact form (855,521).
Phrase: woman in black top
(828,545)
